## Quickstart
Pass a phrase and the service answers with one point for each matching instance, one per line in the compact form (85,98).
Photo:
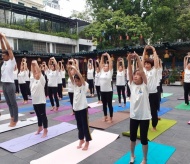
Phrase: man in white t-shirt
(7,79)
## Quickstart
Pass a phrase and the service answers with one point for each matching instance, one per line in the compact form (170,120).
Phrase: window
(15,44)
(63,48)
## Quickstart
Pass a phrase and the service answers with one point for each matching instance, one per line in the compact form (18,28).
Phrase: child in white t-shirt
(80,106)
(140,114)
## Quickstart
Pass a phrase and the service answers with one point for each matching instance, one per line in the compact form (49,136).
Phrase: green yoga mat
(166,95)
(157,154)
(182,106)
(115,96)
(163,125)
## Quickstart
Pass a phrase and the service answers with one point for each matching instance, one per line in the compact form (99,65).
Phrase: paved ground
(177,136)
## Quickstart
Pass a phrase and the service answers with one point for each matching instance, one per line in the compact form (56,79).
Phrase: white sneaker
(123,105)
(119,104)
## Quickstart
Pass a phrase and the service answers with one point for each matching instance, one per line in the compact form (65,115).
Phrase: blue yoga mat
(30,108)
(163,100)
(157,154)
(116,108)
(163,110)
(64,98)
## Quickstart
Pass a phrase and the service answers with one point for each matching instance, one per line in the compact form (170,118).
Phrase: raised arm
(110,62)
(78,73)
(156,59)
(69,73)
(10,52)
(130,72)
(144,53)
(185,62)
(35,70)
(101,64)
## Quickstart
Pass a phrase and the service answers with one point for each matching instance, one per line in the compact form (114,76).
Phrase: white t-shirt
(52,78)
(79,99)
(70,86)
(15,74)
(120,78)
(63,74)
(90,73)
(7,71)
(105,81)
(27,76)
(97,79)
(152,80)
(127,74)
(187,76)
(139,102)
(37,90)
(59,78)
(22,77)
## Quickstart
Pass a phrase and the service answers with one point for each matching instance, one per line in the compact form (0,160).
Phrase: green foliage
(174,76)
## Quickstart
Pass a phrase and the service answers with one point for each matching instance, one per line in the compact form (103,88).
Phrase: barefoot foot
(105,119)
(39,130)
(80,144)
(86,146)
(44,133)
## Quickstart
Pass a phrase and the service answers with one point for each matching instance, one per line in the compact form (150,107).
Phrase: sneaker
(123,105)
(119,105)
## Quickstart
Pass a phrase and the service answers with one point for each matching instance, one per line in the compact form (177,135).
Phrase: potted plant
(174,77)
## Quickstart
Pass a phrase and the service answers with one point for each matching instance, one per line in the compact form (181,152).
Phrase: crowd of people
(142,78)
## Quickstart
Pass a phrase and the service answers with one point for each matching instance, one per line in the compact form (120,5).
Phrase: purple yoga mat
(67,118)
(62,108)
(31,139)
(19,103)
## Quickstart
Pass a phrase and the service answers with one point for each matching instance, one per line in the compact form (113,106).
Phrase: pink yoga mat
(67,118)
(19,103)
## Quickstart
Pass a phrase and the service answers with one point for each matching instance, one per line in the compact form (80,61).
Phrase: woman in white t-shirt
(80,107)
(37,85)
(97,81)
(22,81)
(63,76)
(15,74)
(90,76)
(105,85)
(120,80)
(52,75)
(150,69)
(186,79)
(60,93)
(140,114)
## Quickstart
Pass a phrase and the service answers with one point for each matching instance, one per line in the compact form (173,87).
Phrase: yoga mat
(157,154)
(19,103)
(182,98)
(115,96)
(7,116)
(166,95)
(31,139)
(163,100)
(163,125)
(163,110)
(95,104)
(67,118)
(116,108)
(182,106)
(30,108)
(64,98)
(20,124)
(117,117)
(71,155)
(88,96)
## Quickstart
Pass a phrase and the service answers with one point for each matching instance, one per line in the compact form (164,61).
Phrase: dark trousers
(9,93)
(119,90)
(159,97)
(82,125)
(91,86)
(63,83)
(186,87)
(52,91)
(60,91)
(16,86)
(144,125)
(71,94)
(46,89)
(98,92)
(161,89)
(153,100)
(23,90)
(28,87)
(40,110)
(107,100)
(128,90)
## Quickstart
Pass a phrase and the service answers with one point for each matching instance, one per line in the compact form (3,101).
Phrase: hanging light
(39,59)
(166,54)
(146,55)
(112,58)
(85,60)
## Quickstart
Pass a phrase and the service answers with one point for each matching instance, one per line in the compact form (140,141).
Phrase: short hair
(5,52)
(76,77)
(149,61)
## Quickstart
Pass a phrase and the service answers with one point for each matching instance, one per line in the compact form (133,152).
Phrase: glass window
(63,48)
(15,44)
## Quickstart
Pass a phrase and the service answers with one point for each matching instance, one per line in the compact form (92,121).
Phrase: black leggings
(91,86)
(159,97)
(144,125)
(63,83)
(60,91)
(23,90)
(153,100)
(16,85)
(82,124)
(186,87)
(28,87)
(119,90)
(40,110)
(128,90)
(107,100)
(52,91)
(71,94)
(98,92)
